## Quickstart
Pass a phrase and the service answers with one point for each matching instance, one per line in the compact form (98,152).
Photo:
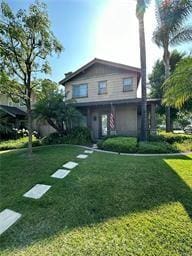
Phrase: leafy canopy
(58,112)
(25,43)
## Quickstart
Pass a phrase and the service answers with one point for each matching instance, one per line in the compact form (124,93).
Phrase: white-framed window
(80,90)
(102,87)
(127,84)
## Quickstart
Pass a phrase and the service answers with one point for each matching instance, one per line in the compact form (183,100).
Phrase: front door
(104,126)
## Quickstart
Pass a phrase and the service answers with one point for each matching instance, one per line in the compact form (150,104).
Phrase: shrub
(184,146)
(156,147)
(19,143)
(119,144)
(78,135)
(171,137)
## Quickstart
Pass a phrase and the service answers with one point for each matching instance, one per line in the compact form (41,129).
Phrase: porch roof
(136,101)
(12,111)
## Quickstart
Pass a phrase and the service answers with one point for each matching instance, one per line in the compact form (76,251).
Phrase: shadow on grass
(102,187)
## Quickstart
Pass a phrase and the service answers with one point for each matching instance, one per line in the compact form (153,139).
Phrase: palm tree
(140,11)
(171,31)
(179,84)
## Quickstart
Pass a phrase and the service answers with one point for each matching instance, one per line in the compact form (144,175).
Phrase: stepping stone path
(37,191)
(70,165)
(88,151)
(82,156)
(7,219)
(60,174)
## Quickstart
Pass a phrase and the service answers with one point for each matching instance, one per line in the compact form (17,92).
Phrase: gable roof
(104,62)
(13,111)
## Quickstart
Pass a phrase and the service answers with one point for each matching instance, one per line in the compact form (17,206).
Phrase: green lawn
(108,205)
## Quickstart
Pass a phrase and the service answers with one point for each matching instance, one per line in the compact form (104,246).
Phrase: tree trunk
(30,129)
(166,60)
(144,125)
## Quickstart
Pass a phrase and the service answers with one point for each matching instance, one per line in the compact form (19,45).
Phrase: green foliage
(184,146)
(171,28)
(19,143)
(26,42)
(156,148)
(44,88)
(77,136)
(119,144)
(163,143)
(61,114)
(178,87)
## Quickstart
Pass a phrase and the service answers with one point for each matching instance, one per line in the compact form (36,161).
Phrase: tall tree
(25,43)
(171,31)
(140,11)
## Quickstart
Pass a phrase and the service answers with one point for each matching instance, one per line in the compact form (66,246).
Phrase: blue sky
(105,29)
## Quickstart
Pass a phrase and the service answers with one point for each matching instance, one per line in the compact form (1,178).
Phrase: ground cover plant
(108,205)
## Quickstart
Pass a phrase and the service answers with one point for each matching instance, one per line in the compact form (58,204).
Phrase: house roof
(13,111)
(104,62)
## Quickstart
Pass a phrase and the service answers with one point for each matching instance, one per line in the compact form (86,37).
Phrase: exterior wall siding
(114,87)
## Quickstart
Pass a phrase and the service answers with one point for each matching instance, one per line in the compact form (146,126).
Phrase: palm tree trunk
(166,60)
(144,125)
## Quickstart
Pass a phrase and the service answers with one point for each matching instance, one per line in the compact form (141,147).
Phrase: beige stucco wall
(114,87)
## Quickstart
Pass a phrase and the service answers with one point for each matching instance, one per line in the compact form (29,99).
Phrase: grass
(108,205)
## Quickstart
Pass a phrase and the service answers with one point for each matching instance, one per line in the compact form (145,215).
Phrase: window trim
(99,93)
(129,90)
(77,97)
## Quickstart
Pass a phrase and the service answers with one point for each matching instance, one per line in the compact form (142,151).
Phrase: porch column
(153,122)
(88,118)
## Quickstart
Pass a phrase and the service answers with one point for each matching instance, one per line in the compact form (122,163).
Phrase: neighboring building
(16,115)
(14,111)
(106,94)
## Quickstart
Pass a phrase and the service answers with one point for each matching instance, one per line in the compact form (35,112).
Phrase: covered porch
(122,117)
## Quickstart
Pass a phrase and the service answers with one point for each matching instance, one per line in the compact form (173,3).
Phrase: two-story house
(106,94)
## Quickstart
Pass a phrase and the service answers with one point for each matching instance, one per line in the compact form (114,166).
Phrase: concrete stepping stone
(7,219)
(37,191)
(88,151)
(60,174)
(70,165)
(82,156)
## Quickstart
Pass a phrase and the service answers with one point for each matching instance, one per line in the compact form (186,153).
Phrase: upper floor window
(102,87)
(80,90)
(127,84)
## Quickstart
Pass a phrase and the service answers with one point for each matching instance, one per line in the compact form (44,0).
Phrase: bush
(171,137)
(184,146)
(19,143)
(78,136)
(156,147)
(119,144)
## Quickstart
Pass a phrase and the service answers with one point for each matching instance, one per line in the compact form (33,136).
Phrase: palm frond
(182,36)
(178,87)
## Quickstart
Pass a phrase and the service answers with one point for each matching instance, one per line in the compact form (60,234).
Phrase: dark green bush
(156,147)
(78,135)
(119,144)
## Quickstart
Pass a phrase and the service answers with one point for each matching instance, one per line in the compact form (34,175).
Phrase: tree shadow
(96,191)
